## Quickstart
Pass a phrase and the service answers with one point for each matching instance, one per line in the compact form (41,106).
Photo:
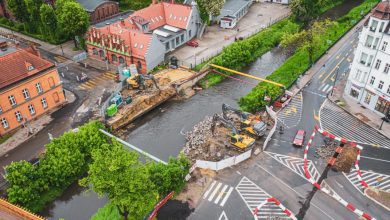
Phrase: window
(374,25)
(382,105)
(31,67)
(376,43)
(39,87)
(378,63)
(363,58)
(139,65)
(182,38)
(368,98)
(114,58)
(372,80)
(121,60)
(95,51)
(1,109)
(31,109)
(358,73)
(26,94)
(18,116)
(381,26)
(387,67)
(51,82)
(44,103)
(364,77)
(380,85)
(56,97)
(369,41)
(177,41)
(12,100)
(388,90)
(384,46)
(189,34)
(4,122)
(167,45)
(370,60)
(354,93)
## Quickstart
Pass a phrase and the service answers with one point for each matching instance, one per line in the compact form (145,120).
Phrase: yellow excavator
(249,123)
(239,141)
(137,81)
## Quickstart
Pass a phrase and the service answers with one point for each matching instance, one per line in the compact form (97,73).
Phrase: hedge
(298,63)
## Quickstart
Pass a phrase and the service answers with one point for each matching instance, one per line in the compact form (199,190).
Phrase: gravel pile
(198,137)
(326,151)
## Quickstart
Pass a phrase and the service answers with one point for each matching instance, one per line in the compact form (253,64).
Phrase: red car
(192,43)
(299,139)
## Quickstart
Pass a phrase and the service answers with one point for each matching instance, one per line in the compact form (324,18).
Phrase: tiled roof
(91,5)
(382,10)
(13,66)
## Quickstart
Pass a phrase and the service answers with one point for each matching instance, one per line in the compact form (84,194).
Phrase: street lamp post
(62,50)
(335,79)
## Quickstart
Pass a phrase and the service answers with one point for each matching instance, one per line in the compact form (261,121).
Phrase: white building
(369,79)
(284,2)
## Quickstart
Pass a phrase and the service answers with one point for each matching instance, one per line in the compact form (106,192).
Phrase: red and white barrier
(285,210)
(349,206)
(359,174)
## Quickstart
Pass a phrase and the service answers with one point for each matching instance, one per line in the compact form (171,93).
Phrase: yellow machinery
(137,81)
(249,123)
(239,141)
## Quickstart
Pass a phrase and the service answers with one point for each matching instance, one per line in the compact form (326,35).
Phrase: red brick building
(29,86)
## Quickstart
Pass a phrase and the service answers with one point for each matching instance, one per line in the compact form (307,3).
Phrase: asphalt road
(279,172)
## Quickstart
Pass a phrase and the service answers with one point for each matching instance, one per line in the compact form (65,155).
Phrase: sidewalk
(67,47)
(357,110)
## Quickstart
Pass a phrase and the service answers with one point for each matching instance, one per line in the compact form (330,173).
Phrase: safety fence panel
(242,157)
(228,162)
(225,163)
(275,117)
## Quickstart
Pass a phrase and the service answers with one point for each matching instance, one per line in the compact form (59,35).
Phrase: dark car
(299,139)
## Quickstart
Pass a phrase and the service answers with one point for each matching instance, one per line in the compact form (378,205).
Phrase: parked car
(299,139)
(192,43)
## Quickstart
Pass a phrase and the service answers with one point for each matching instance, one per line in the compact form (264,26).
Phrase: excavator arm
(226,108)
(225,122)
(151,77)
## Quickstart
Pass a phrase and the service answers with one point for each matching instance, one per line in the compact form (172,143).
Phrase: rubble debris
(346,159)
(327,150)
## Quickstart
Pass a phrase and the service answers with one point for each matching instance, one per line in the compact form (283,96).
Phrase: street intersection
(278,172)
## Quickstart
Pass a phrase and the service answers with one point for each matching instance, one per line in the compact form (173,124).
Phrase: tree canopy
(18,9)
(305,10)
(212,7)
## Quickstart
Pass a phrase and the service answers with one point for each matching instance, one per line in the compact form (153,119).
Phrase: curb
(378,131)
(385,207)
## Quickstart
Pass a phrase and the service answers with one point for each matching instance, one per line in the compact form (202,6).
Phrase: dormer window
(31,67)
(135,45)
(141,46)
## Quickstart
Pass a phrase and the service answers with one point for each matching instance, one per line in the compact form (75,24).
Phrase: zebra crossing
(91,83)
(60,59)
(291,115)
(253,195)
(376,180)
(337,121)
(218,193)
(326,88)
(297,165)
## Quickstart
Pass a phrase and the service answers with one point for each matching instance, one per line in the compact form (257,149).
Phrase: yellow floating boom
(247,75)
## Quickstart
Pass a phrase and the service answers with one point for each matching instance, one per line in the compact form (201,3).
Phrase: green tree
(73,19)
(108,211)
(18,9)
(117,173)
(305,10)
(48,19)
(308,40)
(169,177)
(24,184)
(212,7)
(33,7)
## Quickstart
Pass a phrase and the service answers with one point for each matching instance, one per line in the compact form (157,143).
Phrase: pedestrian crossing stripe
(90,83)
(104,77)
(218,193)
(373,179)
(340,122)
(326,88)
(85,87)
(60,58)
(253,195)
(110,74)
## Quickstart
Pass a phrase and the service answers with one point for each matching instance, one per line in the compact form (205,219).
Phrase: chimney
(34,50)
(3,45)
(122,21)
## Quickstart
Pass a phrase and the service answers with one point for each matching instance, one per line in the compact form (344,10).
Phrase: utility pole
(335,79)
(324,175)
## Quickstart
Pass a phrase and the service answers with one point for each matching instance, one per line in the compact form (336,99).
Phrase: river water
(159,132)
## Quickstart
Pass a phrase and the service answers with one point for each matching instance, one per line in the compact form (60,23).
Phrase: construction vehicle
(239,141)
(249,123)
(137,81)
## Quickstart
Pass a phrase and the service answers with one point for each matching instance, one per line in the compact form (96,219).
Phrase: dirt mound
(346,159)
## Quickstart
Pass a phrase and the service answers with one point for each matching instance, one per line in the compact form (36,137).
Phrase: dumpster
(117,100)
(112,110)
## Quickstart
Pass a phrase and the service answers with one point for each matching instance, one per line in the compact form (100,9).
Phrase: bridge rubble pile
(202,145)
(344,161)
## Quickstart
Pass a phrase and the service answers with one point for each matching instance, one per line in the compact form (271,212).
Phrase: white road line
(223,216)
(371,158)
(209,190)
(289,187)
(215,191)
(220,194)
(330,88)
(325,88)
(226,197)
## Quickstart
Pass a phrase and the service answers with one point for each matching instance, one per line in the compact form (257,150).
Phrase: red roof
(14,66)
(382,11)
(155,15)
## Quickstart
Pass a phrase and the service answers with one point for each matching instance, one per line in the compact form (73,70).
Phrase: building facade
(29,87)
(369,78)
(144,37)
(232,11)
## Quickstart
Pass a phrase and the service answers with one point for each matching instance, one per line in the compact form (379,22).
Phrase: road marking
(329,89)
(314,93)
(337,57)
(226,197)
(291,115)
(373,179)
(238,172)
(223,216)
(372,158)
(325,88)
(296,164)
(315,115)
(215,189)
(289,187)
(253,195)
(331,72)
